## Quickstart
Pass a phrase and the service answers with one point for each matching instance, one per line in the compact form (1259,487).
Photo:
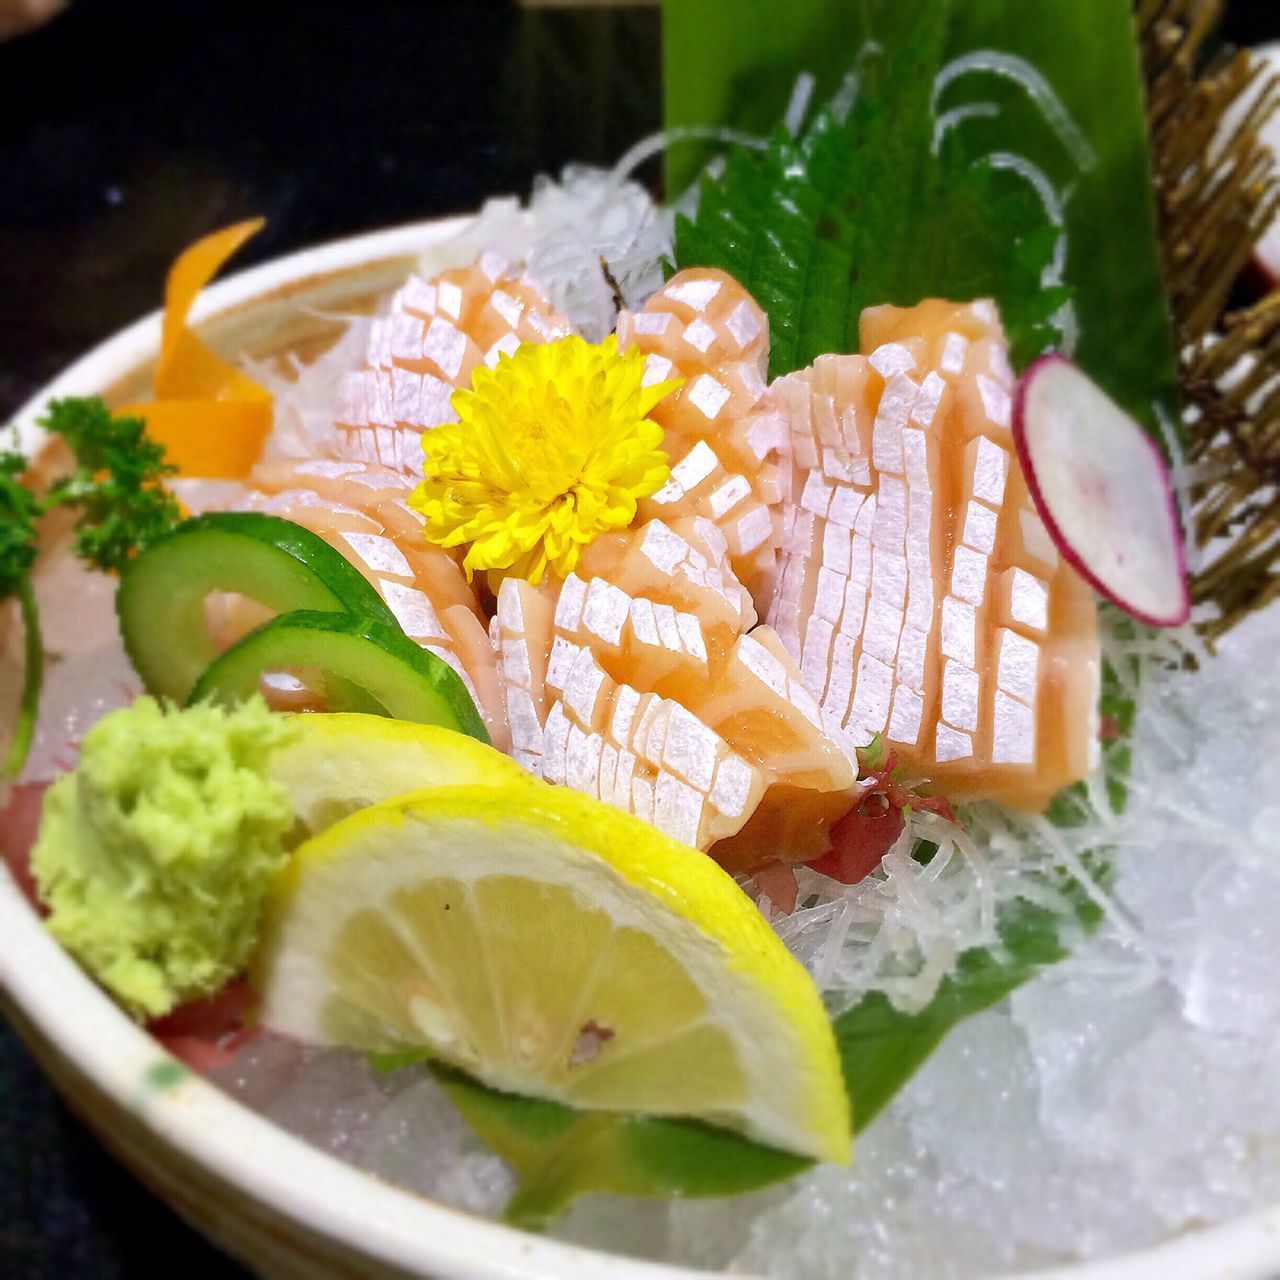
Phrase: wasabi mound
(155,854)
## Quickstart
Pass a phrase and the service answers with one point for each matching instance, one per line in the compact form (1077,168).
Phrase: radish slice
(1266,254)
(1103,491)
(1263,272)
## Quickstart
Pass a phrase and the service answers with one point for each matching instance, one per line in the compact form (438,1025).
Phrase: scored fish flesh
(849,551)
(917,587)
(424,348)
(643,680)
(702,326)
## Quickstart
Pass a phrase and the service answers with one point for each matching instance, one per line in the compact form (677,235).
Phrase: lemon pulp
(340,762)
(552,946)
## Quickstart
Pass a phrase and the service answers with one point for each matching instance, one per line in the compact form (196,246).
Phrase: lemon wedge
(343,761)
(550,945)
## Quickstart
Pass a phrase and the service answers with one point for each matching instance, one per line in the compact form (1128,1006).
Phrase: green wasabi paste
(155,855)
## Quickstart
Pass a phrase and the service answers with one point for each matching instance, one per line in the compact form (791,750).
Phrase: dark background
(130,127)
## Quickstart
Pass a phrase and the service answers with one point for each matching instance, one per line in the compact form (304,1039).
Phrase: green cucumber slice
(276,562)
(386,668)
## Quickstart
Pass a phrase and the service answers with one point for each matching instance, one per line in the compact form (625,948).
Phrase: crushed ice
(397,1125)
(1123,1096)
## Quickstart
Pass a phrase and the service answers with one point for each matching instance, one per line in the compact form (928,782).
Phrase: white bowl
(282,1207)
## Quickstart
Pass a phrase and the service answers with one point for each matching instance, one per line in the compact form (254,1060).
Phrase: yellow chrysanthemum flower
(553,447)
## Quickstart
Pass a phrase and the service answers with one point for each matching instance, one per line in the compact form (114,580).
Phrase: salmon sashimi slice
(634,680)
(703,327)
(360,510)
(917,588)
(381,495)
(850,551)
(681,565)
(758,703)
(425,347)
(642,753)
(522,633)
(630,747)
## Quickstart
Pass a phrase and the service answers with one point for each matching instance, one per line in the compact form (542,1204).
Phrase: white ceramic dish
(282,1207)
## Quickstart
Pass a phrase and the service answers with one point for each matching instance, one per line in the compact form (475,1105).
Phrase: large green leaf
(828,226)
(881,1047)
(812,233)
(733,63)
(559,1153)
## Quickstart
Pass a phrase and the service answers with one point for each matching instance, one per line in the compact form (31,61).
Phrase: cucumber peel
(377,660)
(161,600)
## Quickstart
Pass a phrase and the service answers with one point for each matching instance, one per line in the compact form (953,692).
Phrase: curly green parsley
(117,486)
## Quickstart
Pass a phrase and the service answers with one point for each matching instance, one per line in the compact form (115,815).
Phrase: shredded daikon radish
(1028,78)
(568,227)
(901,929)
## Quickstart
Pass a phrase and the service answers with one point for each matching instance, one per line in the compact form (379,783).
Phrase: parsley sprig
(117,486)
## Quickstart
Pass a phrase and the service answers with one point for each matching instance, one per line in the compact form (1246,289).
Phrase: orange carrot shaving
(213,439)
(212,419)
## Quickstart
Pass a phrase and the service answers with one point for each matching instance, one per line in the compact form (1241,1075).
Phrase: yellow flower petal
(553,446)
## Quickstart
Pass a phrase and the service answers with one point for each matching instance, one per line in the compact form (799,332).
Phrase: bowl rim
(262,1161)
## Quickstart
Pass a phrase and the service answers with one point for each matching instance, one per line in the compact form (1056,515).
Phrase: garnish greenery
(116,483)
(559,1153)
(387,1064)
(19,511)
(117,488)
(881,1047)
(869,757)
(813,232)
(979,132)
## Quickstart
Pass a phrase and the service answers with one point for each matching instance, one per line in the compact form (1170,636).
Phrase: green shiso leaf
(816,233)
(387,1064)
(884,207)
(881,1047)
(559,1153)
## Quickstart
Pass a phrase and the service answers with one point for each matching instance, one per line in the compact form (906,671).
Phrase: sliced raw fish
(636,681)
(869,509)
(522,632)
(681,564)
(424,347)
(704,327)
(917,588)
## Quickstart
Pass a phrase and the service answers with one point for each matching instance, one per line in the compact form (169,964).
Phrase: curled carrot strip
(213,439)
(212,419)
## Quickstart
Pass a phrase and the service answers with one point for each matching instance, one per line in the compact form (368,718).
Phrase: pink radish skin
(1103,491)
(1263,271)
(1266,254)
